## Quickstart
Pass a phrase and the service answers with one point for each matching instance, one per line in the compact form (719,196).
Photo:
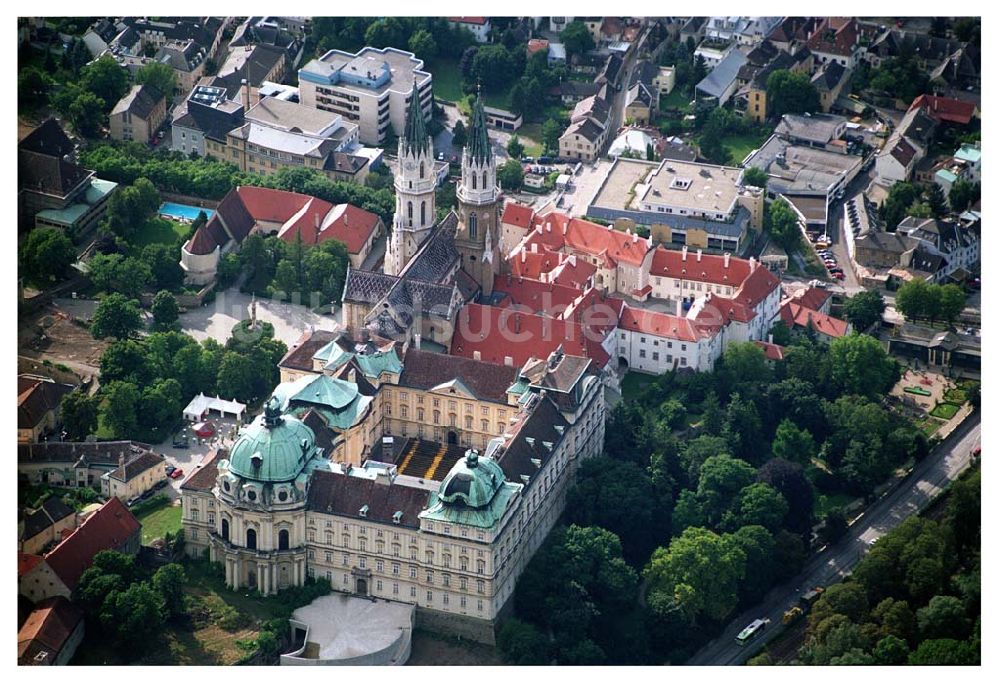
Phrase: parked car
(838,275)
(170,469)
(177,473)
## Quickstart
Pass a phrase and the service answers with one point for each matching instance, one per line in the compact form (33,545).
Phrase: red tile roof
(552,299)
(26,562)
(537,45)
(320,221)
(756,287)
(47,630)
(559,232)
(835,35)
(497,333)
(795,315)
(107,528)
(711,268)
(202,242)
(517,214)
(555,267)
(814,298)
(946,109)
(657,324)
(479,21)
(772,351)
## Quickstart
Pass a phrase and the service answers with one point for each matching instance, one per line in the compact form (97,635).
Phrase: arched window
(423,212)
(251,538)
(485,184)
(468,422)
(473,225)
(283,539)
(409,212)
(421,170)
(225,529)
(473,181)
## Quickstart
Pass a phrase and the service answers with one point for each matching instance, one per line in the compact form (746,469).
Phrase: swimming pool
(172,210)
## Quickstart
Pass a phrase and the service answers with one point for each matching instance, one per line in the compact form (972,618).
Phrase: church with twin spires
(473,228)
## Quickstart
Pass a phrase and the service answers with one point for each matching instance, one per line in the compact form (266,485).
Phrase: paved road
(835,228)
(925,482)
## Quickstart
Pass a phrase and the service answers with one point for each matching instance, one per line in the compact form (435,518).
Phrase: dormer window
(397,517)
(363,512)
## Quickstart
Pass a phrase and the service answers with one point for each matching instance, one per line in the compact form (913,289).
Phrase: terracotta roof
(835,35)
(537,45)
(813,298)
(946,109)
(425,370)
(479,21)
(36,398)
(541,297)
(26,562)
(711,268)
(517,214)
(795,315)
(756,287)
(657,324)
(902,151)
(202,243)
(498,333)
(553,266)
(272,205)
(203,478)
(350,225)
(557,232)
(46,631)
(772,351)
(107,528)
(344,495)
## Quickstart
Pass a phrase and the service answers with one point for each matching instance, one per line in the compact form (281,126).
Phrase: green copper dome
(273,448)
(472,482)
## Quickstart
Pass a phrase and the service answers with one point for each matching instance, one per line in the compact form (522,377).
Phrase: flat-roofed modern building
(370,88)
(684,203)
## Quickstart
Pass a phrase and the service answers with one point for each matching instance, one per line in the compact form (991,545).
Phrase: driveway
(216,320)
(585,186)
(189,459)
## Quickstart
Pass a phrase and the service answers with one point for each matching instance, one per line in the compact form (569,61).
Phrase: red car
(977,451)
(177,473)
(838,275)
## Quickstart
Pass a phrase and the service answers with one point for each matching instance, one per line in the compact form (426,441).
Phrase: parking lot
(190,458)
(585,186)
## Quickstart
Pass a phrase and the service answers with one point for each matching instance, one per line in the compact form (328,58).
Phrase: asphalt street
(927,480)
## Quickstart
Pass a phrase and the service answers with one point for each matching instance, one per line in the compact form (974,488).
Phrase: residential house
(370,88)
(38,407)
(829,81)
(75,465)
(906,146)
(187,58)
(139,114)
(664,80)
(693,28)
(284,33)
(51,634)
(642,99)
(819,131)
(572,91)
(247,68)
(557,54)
(836,39)
(587,134)
(57,573)
(134,477)
(39,528)
(715,50)
(288,215)
(957,64)
(53,191)
(957,243)
(721,82)
(792,34)
(751,97)
(479,27)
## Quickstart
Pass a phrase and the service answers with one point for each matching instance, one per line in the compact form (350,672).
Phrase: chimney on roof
(699,255)
(245,87)
(770,338)
(476,355)
(565,227)
(416,341)
(684,253)
(524,255)
(635,237)
(753,263)
(517,324)
(678,310)
(725,260)
(534,247)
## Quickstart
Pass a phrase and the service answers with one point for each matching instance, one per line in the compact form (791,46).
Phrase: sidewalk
(953,423)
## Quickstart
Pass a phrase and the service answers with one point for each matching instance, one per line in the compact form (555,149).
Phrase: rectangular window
(379,566)
(395,569)
(413,591)
(378,585)
(395,588)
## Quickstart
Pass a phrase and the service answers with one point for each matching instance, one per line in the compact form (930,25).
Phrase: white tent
(202,404)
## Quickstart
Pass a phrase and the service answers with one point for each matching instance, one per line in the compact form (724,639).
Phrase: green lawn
(944,411)
(825,503)
(928,425)
(956,395)
(741,145)
(447,79)
(158,522)
(635,382)
(530,135)
(677,99)
(159,230)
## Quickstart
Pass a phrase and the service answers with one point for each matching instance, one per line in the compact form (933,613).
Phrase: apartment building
(370,88)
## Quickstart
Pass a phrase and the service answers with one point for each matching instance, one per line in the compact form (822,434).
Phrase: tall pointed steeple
(415,138)
(479,139)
